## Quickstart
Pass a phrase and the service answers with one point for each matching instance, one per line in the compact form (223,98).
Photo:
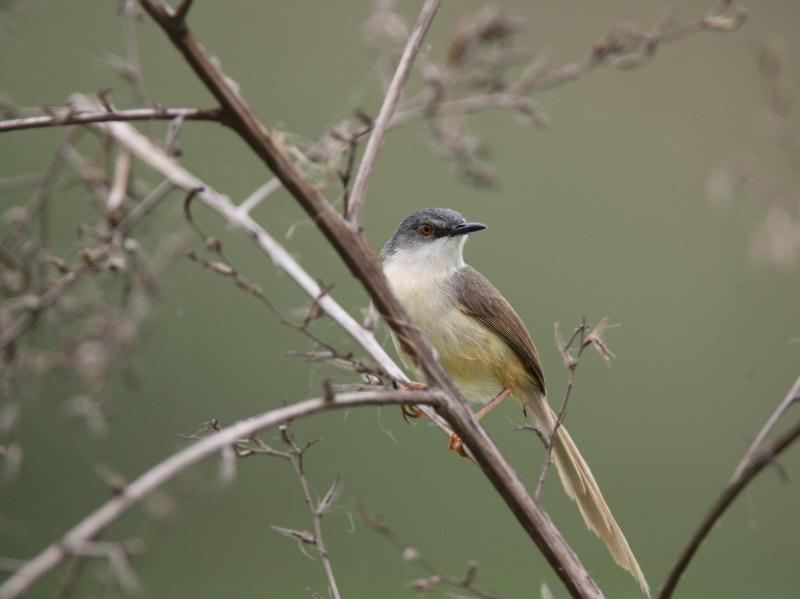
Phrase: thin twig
(294,455)
(752,452)
(155,156)
(410,554)
(130,12)
(83,117)
(183,10)
(91,526)
(141,209)
(755,460)
(40,303)
(359,191)
(228,270)
(119,187)
(571,361)
(259,195)
(42,194)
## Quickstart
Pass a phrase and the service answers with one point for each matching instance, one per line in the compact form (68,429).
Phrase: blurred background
(623,204)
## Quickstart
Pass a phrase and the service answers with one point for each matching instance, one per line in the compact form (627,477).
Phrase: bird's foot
(457,445)
(409,409)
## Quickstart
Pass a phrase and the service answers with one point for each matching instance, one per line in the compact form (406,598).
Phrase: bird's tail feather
(582,488)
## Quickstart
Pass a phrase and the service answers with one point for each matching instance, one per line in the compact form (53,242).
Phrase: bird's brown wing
(480,299)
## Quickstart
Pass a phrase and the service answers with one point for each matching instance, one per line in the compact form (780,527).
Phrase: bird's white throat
(425,264)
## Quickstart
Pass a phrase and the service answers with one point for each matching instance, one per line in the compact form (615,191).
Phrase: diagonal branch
(754,461)
(353,247)
(358,194)
(752,452)
(91,526)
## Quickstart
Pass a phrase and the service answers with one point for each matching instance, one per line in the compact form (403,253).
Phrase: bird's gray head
(432,233)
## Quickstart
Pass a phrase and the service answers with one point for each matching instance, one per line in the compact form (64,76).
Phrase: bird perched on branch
(486,349)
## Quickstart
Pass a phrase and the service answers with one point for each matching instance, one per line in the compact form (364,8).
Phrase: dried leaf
(326,502)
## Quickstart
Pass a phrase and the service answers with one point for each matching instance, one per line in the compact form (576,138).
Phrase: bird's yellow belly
(479,362)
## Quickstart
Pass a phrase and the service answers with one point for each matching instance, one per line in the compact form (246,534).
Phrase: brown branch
(358,194)
(355,250)
(82,117)
(755,460)
(91,526)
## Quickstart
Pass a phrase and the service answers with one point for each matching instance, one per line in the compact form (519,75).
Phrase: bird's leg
(409,409)
(500,397)
(455,441)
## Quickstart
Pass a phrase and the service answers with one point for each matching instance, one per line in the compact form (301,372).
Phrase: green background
(604,211)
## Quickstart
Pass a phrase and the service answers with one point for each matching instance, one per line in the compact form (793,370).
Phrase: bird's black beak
(465,228)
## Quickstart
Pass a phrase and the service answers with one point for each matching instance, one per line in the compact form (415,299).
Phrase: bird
(486,350)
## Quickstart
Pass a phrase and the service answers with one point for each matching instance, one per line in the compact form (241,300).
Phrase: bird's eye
(426,229)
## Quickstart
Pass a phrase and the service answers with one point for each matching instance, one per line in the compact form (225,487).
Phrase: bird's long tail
(582,488)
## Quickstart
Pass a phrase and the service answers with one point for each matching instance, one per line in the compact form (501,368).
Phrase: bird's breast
(477,360)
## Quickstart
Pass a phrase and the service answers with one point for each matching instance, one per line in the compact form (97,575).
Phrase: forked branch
(756,458)
(126,498)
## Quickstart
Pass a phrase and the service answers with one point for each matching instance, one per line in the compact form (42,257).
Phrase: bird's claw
(410,411)
(457,445)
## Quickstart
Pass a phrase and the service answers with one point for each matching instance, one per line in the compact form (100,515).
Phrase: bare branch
(571,360)
(183,10)
(130,12)
(83,117)
(755,460)
(354,249)
(410,554)
(752,453)
(119,187)
(382,123)
(294,455)
(259,195)
(40,303)
(157,158)
(88,528)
